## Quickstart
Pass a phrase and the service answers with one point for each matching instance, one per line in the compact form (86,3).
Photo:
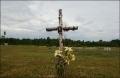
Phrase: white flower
(67,59)
(68,49)
(68,62)
(57,52)
(73,57)
(68,56)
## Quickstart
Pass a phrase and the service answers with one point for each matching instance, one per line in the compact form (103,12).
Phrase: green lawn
(36,61)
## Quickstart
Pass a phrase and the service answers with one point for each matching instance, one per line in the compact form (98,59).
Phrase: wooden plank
(70,28)
(60,30)
(51,29)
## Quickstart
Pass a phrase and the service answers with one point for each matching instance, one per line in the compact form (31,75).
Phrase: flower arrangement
(62,59)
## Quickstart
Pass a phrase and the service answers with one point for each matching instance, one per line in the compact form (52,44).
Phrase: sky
(96,20)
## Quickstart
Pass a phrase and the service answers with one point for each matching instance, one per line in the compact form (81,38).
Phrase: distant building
(6,44)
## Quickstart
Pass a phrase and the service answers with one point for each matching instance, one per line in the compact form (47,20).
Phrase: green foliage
(54,42)
(60,65)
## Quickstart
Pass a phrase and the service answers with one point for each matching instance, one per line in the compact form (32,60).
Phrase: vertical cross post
(60,30)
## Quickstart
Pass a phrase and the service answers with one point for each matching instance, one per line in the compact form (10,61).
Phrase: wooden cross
(60,28)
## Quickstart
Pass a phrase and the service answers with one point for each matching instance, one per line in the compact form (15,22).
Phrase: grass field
(36,61)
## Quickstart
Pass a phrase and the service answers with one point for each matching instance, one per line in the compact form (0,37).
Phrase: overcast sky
(29,19)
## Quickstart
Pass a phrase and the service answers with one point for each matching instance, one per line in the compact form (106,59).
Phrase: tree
(48,41)
(3,38)
(4,33)
(116,42)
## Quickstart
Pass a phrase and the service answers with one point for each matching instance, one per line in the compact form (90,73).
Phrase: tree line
(55,42)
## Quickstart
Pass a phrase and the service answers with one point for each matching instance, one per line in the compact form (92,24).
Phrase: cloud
(80,19)
(88,23)
(29,19)
(100,29)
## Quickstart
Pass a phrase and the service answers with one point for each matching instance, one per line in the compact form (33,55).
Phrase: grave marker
(60,28)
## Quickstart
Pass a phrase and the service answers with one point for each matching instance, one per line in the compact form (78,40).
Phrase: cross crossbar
(51,29)
(63,28)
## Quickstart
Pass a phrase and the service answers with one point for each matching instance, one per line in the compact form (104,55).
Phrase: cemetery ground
(36,61)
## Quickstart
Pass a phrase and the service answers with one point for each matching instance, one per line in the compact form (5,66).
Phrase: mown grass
(35,61)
